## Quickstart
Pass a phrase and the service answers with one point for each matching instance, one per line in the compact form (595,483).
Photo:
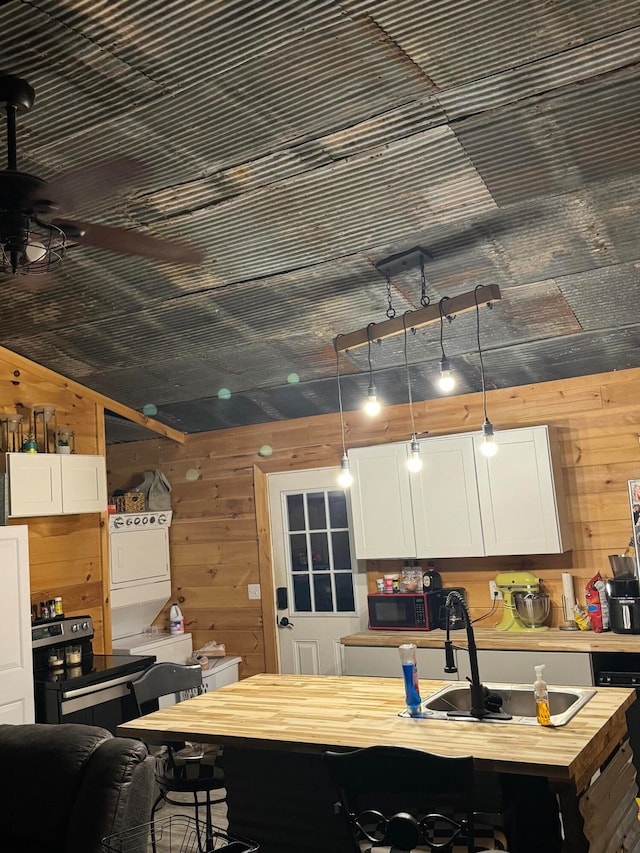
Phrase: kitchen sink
(452,701)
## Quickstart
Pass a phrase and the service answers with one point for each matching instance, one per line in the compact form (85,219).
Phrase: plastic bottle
(410,675)
(541,695)
(176,620)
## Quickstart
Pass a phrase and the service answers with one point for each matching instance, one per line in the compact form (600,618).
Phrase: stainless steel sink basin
(517,700)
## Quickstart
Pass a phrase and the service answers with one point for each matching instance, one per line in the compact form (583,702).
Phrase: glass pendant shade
(345,477)
(446,382)
(414,462)
(488,446)
(372,406)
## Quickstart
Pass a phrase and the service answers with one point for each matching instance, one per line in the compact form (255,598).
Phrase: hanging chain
(424,299)
(391,311)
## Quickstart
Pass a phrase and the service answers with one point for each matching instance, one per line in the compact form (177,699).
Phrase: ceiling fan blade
(70,191)
(126,242)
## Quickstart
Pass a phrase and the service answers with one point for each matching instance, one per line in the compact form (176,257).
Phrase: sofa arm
(116,794)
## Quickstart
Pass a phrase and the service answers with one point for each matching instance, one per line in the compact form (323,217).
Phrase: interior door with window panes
(321,594)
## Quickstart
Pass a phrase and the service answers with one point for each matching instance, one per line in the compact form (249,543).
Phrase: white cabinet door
(35,487)
(384,662)
(16,665)
(52,484)
(382,513)
(446,508)
(518,495)
(84,483)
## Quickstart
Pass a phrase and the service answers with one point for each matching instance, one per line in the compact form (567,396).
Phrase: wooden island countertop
(314,712)
(553,640)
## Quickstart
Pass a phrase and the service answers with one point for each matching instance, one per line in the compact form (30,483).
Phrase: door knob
(285,623)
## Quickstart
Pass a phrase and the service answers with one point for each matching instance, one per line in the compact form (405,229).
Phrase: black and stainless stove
(74,685)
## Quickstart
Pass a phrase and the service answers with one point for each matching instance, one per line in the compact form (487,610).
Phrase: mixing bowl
(532,607)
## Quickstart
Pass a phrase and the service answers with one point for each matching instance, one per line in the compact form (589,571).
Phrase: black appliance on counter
(413,611)
(623,597)
(74,685)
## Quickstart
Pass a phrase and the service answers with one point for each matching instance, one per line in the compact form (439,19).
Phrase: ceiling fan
(33,237)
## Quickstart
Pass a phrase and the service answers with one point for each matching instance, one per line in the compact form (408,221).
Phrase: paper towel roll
(568,596)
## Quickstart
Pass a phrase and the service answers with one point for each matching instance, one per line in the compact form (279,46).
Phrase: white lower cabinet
(569,669)
(52,484)
(384,662)
(461,503)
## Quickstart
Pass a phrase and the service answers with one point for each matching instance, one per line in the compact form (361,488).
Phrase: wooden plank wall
(214,548)
(67,553)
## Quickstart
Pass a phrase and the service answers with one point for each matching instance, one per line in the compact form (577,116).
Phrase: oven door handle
(100,685)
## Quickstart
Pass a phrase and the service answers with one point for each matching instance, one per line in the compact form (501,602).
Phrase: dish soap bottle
(176,620)
(541,695)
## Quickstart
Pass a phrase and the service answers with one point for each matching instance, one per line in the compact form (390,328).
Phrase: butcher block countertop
(553,640)
(310,713)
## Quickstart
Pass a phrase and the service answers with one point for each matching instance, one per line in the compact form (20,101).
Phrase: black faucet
(483,704)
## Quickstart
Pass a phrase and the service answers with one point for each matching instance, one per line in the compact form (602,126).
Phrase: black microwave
(412,611)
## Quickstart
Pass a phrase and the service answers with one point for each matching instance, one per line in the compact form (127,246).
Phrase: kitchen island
(275,726)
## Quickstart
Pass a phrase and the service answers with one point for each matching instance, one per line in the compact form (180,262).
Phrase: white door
(16,663)
(313,566)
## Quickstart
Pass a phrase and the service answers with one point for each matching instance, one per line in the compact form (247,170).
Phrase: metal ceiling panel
(301,143)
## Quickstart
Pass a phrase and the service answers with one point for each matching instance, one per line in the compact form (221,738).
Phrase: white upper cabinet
(382,514)
(461,503)
(52,484)
(522,497)
(446,508)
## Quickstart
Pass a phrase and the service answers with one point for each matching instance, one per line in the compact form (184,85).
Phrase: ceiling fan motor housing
(16,92)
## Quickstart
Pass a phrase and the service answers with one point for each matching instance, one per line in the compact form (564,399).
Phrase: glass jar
(411,580)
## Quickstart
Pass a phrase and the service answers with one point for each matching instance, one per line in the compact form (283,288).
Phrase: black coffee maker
(623,596)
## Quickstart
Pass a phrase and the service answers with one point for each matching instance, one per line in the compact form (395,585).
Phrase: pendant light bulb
(414,462)
(372,406)
(488,447)
(345,477)
(446,382)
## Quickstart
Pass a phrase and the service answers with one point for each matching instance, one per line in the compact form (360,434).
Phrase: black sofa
(65,787)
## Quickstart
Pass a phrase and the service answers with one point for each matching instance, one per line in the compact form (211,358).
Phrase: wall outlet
(253,591)
(494,592)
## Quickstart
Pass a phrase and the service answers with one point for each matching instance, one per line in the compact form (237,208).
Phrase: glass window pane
(341,552)
(301,594)
(319,551)
(299,559)
(338,509)
(322,592)
(344,592)
(315,508)
(295,511)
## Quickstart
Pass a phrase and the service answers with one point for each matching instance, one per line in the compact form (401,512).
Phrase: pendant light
(488,446)
(446,382)
(345,477)
(372,406)
(414,462)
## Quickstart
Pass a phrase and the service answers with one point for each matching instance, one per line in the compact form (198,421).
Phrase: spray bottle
(410,675)
(541,695)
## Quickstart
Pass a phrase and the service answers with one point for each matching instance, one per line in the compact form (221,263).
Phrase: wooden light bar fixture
(418,318)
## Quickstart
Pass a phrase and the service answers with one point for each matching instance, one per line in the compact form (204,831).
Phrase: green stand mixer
(525,607)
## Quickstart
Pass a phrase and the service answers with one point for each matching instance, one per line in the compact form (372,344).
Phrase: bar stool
(180,767)
(402,799)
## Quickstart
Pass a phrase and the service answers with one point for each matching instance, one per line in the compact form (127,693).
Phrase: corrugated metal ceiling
(299,143)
